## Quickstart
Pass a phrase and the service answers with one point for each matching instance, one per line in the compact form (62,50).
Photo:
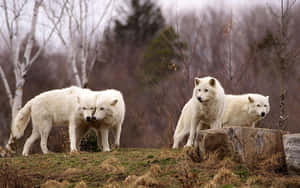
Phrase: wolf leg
(44,132)
(179,136)
(34,136)
(194,124)
(117,135)
(104,135)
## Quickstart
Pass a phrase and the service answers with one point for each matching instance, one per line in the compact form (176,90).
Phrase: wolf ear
(267,98)
(212,82)
(114,102)
(197,81)
(250,99)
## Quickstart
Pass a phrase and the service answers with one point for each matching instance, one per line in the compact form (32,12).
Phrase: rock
(291,144)
(244,144)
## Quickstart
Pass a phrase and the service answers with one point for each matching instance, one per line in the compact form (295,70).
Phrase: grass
(130,167)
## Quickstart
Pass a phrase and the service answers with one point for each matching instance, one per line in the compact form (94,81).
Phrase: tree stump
(243,144)
(291,144)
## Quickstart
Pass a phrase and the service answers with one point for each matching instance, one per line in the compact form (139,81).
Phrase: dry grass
(257,181)
(112,165)
(140,168)
(10,177)
(275,164)
(224,176)
(71,171)
(55,184)
(149,179)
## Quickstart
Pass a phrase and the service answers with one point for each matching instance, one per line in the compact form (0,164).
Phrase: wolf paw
(74,152)
(106,150)
(188,145)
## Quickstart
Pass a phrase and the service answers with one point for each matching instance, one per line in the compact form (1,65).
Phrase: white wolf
(110,113)
(55,107)
(203,110)
(245,110)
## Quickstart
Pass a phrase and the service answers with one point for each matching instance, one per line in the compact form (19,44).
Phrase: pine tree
(160,54)
(143,22)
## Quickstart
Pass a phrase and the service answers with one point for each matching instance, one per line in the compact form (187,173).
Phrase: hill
(132,167)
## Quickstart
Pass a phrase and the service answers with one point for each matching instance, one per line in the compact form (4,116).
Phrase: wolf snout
(88,118)
(263,114)
(199,99)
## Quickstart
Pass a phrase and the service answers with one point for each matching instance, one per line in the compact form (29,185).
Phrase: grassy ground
(137,167)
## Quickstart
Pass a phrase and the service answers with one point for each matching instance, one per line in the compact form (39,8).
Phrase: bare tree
(82,39)
(12,35)
(284,55)
(22,62)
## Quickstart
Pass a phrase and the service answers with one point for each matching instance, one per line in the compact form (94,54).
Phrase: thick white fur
(198,115)
(245,110)
(55,107)
(109,114)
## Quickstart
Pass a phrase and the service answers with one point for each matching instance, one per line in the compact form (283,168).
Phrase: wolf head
(205,89)
(258,105)
(86,106)
(104,107)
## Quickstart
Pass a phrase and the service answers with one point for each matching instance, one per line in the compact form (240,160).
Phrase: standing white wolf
(110,113)
(245,110)
(203,110)
(55,107)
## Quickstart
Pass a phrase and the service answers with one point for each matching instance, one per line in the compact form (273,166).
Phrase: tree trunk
(283,116)
(84,76)
(17,102)
(75,70)
(243,144)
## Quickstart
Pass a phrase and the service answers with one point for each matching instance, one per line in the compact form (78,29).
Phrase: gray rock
(291,144)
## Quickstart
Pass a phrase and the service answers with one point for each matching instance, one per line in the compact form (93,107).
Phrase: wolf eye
(206,90)
(265,105)
(84,108)
(199,89)
(258,105)
(101,108)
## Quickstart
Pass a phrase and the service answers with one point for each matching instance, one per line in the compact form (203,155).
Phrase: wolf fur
(110,114)
(245,110)
(203,110)
(55,107)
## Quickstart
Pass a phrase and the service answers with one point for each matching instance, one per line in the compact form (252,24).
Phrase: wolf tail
(21,121)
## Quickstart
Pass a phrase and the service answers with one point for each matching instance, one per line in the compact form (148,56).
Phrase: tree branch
(6,86)
(59,33)
(9,29)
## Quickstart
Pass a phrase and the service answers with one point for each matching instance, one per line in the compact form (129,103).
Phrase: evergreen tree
(159,56)
(143,22)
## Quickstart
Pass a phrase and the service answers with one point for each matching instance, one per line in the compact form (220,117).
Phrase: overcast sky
(167,7)
(195,4)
